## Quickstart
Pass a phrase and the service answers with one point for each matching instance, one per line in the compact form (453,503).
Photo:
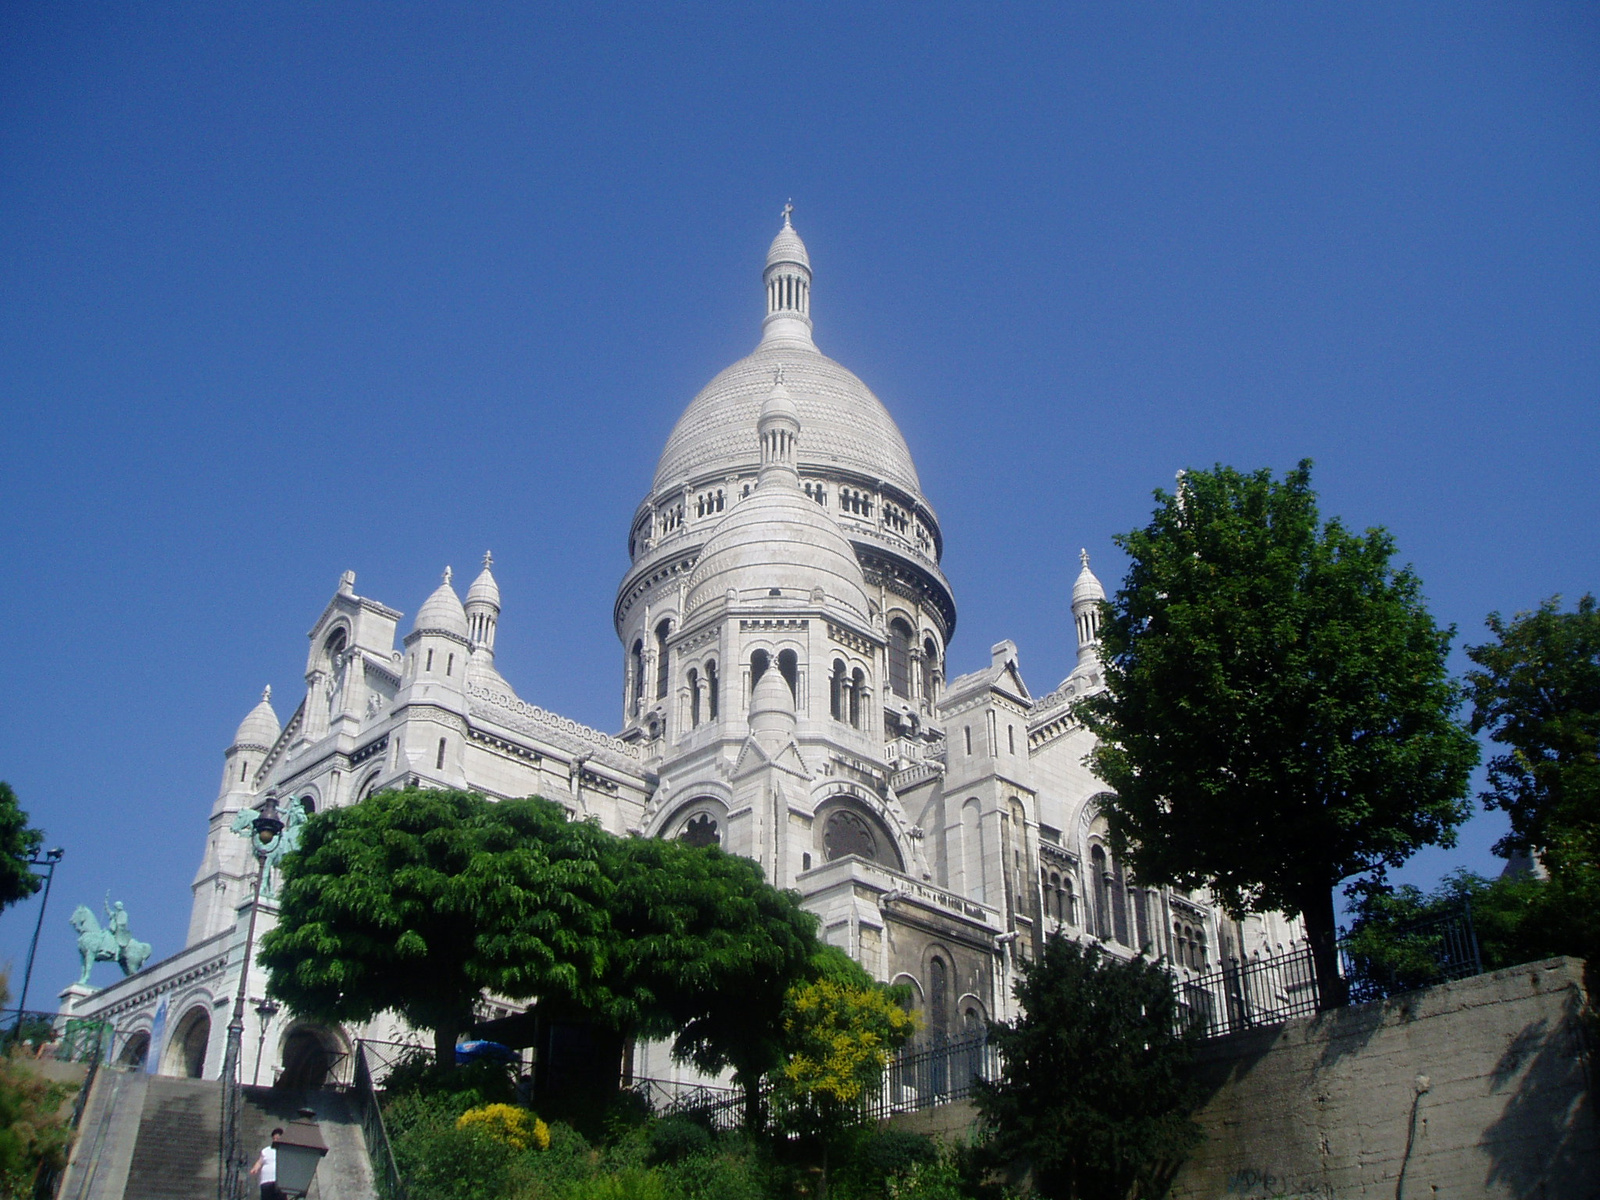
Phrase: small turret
(788,280)
(254,738)
(1087,596)
(483,611)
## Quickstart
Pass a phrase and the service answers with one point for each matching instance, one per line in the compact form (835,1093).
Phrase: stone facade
(784,623)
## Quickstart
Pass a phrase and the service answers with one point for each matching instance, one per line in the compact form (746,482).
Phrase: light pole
(266,1009)
(48,862)
(267,826)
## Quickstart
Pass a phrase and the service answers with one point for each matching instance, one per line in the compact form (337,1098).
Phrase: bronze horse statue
(107,945)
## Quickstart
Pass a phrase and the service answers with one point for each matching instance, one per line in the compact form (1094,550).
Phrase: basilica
(783,625)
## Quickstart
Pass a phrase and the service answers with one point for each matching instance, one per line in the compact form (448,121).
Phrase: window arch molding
(706,798)
(838,828)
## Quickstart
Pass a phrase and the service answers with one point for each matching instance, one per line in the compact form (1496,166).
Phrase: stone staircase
(175,1156)
(152,1137)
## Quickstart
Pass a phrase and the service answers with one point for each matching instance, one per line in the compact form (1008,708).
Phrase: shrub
(516,1127)
(32,1133)
(676,1138)
(894,1152)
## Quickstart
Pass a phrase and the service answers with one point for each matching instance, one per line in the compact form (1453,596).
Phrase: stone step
(175,1156)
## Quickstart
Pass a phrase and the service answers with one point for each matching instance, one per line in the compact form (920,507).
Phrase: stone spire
(779,431)
(788,281)
(1087,595)
(483,610)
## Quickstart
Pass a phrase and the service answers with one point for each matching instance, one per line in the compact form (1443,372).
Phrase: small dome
(787,246)
(484,589)
(260,727)
(779,404)
(772,704)
(1087,589)
(442,611)
(777,540)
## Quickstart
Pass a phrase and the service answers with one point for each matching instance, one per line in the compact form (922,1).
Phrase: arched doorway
(135,1052)
(311,1056)
(186,1052)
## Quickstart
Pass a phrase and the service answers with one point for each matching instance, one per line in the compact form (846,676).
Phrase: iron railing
(1418,954)
(386,1172)
(1249,993)
(48,1035)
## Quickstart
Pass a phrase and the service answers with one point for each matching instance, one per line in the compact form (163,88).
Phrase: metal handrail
(391,1184)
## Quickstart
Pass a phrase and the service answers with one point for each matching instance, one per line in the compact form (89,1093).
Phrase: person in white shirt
(267,1167)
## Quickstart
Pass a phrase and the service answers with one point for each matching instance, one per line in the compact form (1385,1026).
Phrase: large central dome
(846,426)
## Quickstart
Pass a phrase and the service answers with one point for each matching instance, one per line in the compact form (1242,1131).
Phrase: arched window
(789,665)
(858,683)
(1119,904)
(1069,901)
(1102,893)
(760,660)
(701,830)
(845,833)
(662,631)
(1052,897)
(1141,917)
(439,762)
(694,698)
(711,690)
(1201,959)
(938,998)
(930,669)
(972,850)
(836,690)
(900,658)
(637,655)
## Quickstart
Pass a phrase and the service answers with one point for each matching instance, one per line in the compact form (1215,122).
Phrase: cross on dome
(266,694)
(787,209)
(1083,557)
(447,574)
(488,560)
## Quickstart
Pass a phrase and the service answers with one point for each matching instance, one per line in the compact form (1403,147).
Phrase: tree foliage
(1094,1090)
(18,843)
(416,901)
(1277,714)
(1537,693)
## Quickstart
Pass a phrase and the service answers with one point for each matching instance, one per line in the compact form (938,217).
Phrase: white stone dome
(772,704)
(776,538)
(846,426)
(1087,589)
(442,611)
(788,248)
(484,589)
(260,727)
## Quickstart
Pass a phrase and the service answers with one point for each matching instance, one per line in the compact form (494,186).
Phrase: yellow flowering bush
(516,1127)
(841,1037)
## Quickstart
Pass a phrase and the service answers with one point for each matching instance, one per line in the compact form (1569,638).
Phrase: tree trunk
(1316,909)
(444,1045)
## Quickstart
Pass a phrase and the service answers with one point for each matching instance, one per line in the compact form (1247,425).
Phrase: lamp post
(267,825)
(266,1009)
(48,862)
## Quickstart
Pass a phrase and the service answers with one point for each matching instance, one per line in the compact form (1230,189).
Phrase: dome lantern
(788,281)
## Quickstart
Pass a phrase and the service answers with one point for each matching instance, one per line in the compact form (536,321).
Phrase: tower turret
(483,611)
(788,280)
(1087,596)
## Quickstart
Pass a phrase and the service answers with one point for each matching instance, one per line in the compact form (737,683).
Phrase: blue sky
(290,289)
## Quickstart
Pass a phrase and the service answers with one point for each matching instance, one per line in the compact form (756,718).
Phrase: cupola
(788,280)
(483,609)
(1087,596)
(442,612)
(260,727)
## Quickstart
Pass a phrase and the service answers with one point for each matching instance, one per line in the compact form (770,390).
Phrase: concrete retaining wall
(1470,1089)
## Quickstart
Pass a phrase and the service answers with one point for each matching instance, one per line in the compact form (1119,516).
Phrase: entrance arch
(186,1049)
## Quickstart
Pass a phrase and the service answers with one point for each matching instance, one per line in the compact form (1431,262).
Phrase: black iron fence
(1245,994)
(385,1171)
(1416,954)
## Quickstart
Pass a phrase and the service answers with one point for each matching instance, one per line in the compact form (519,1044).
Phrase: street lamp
(267,826)
(300,1150)
(48,862)
(266,1009)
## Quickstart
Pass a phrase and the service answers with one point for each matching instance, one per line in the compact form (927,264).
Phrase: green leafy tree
(18,843)
(1277,714)
(702,948)
(1094,1091)
(1537,693)
(416,901)
(840,1036)
(1395,942)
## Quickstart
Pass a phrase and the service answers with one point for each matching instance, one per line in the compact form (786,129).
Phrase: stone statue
(287,841)
(112,944)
